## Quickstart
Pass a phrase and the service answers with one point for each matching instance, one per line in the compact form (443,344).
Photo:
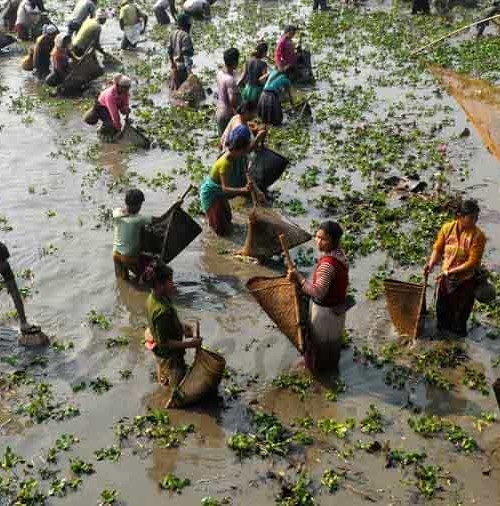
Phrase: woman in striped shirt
(328,292)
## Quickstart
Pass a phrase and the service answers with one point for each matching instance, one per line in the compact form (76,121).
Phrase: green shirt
(127,232)
(164,324)
(129,15)
(88,35)
(277,81)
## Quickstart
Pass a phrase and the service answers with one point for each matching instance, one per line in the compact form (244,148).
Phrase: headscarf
(49,29)
(59,40)
(122,81)
(239,137)
(101,14)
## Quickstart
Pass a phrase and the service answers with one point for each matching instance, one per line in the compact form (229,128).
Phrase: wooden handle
(284,246)
(253,194)
(197,328)
(185,194)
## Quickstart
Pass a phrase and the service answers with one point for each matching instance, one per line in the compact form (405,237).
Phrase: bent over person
(165,332)
(10,282)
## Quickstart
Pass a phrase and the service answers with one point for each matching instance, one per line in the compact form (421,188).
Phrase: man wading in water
(10,282)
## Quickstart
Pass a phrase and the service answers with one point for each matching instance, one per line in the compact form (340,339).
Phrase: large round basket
(267,167)
(406,305)
(202,379)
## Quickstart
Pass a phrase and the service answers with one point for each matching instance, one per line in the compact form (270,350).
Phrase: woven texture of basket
(82,73)
(181,230)
(283,303)
(406,305)
(203,377)
(134,136)
(267,167)
(263,230)
(190,91)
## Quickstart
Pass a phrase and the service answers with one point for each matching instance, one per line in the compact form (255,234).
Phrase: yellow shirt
(220,167)
(129,15)
(459,249)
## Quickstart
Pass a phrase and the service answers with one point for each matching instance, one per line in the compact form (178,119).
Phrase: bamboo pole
(454,32)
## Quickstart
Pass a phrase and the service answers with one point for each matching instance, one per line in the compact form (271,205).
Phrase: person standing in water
(180,51)
(255,75)
(165,332)
(228,92)
(10,281)
(83,9)
(460,244)
(133,23)
(328,292)
(161,12)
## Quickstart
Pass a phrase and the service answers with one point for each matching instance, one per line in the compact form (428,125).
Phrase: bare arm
(234,192)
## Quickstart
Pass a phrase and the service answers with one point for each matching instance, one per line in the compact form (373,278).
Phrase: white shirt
(194,5)
(161,4)
(83,10)
(26,15)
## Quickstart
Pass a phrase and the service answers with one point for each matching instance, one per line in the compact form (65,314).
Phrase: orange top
(460,247)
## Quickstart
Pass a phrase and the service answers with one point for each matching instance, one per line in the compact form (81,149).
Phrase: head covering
(184,20)
(49,29)
(239,137)
(101,14)
(122,81)
(60,39)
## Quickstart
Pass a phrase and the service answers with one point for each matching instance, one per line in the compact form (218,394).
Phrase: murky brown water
(79,277)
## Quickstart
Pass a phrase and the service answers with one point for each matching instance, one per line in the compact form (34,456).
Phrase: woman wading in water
(328,292)
(460,244)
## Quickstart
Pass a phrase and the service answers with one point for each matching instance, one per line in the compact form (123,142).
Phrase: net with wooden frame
(283,303)
(190,92)
(265,226)
(86,70)
(172,235)
(202,379)
(134,136)
(406,305)
(267,167)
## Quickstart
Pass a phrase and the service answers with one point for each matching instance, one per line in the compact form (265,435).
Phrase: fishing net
(265,225)
(190,92)
(267,167)
(180,230)
(86,70)
(406,304)
(202,379)
(134,136)
(6,40)
(284,304)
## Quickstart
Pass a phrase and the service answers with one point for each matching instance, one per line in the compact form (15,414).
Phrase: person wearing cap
(460,244)
(133,23)
(285,53)
(226,180)
(89,34)
(10,282)
(198,8)
(127,225)
(42,49)
(111,102)
(180,51)
(29,16)
(83,9)
(60,59)
(228,92)
(160,9)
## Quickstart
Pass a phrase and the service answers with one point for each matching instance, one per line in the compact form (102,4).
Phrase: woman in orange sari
(460,244)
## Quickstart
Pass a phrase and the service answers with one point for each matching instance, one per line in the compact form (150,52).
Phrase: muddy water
(78,277)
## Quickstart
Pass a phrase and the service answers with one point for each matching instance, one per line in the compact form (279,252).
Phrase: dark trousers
(73,27)
(321,4)
(422,6)
(162,16)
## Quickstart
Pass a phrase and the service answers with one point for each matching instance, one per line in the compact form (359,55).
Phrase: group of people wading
(256,93)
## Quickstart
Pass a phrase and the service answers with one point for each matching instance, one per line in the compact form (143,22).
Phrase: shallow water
(79,277)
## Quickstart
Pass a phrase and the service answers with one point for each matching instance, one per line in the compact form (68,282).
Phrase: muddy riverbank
(375,113)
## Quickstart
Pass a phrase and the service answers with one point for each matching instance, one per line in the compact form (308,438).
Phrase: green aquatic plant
(331,426)
(297,493)
(475,380)
(114,342)
(173,483)
(78,466)
(108,497)
(113,454)
(373,422)
(331,480)
(100,385)
(98,319)
(297,383)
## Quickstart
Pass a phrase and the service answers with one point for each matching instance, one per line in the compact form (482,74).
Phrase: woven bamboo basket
(265,225)
(406,304)
(172,235)
(202,379)
(27,61)
(86,70)
(134,136)
(267,167)
(284,304)
(190,92)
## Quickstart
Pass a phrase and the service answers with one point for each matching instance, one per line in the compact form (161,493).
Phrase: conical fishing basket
(267,167)
(202,379)
(6,40)
(180,229)
(284,304)
(406,304)
(134,136)
(264,228)
(190,91)
(86,70)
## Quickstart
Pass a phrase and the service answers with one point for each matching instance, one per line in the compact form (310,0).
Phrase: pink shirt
(285,53)
(115,104)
